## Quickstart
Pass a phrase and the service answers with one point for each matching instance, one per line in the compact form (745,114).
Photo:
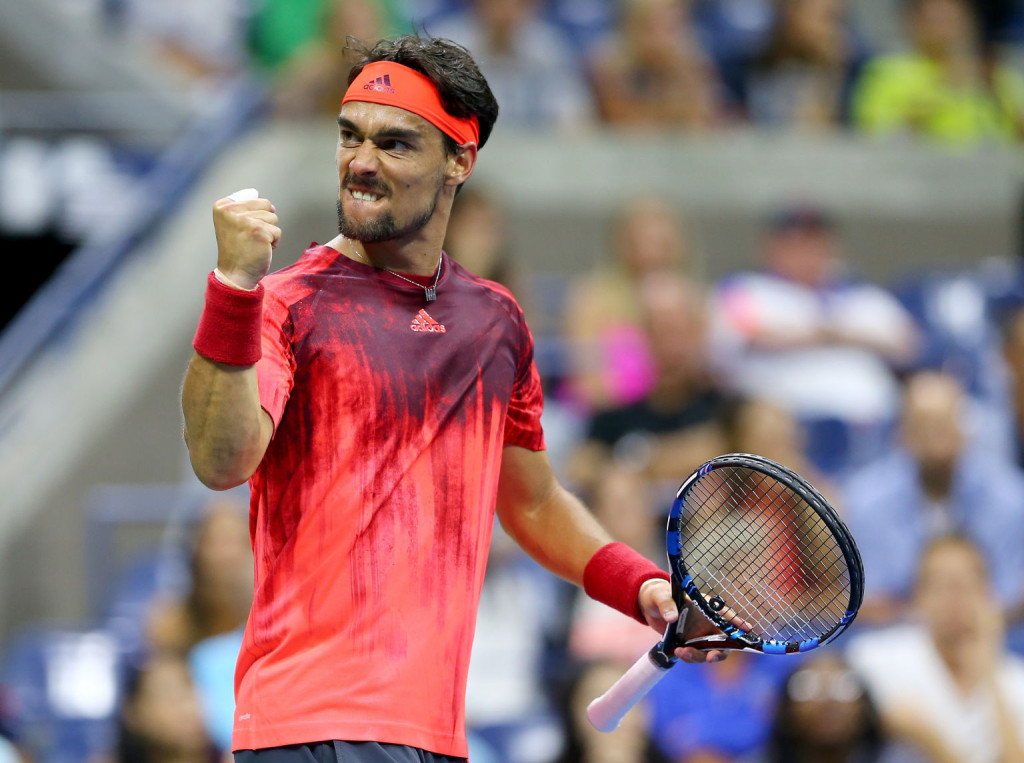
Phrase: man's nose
(365,162)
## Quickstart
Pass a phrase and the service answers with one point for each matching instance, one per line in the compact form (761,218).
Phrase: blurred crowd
(903,403)
(690,65)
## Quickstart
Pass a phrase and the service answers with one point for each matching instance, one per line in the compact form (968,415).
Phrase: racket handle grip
(607,711)
(246,194)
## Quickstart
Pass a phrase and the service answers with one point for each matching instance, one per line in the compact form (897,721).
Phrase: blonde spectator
(652,72)
(677,425)
(609,363)
(943,90)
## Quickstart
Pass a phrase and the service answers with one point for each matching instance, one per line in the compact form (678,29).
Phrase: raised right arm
(226,429)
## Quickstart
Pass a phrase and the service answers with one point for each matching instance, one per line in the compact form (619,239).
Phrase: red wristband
(229,328)
(614,574)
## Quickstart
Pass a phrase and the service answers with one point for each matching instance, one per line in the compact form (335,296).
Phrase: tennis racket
(763,556)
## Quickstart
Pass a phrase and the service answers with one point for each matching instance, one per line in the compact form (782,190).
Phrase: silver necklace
(430,292)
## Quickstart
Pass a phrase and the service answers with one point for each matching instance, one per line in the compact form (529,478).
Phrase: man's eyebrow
(394,133)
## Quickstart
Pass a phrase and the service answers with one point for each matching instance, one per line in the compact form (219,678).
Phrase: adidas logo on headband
(381,85)
(392,84)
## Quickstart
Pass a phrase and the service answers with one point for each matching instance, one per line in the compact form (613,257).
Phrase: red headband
(392,84)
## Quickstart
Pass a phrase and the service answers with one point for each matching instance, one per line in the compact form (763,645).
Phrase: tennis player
(382,402)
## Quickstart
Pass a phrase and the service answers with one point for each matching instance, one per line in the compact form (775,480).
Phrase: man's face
(806,255)
(391,172)
(952,572)
(932,412)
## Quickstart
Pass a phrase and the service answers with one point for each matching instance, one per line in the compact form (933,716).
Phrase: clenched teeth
(364,196)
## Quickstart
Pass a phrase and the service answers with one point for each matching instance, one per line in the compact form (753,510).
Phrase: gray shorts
(343,752)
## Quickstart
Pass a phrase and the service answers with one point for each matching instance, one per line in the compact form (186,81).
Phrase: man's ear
(460,164)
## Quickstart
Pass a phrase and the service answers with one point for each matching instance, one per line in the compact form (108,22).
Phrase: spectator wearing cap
(804,334)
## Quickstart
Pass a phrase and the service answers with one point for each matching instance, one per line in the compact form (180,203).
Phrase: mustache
(373,186)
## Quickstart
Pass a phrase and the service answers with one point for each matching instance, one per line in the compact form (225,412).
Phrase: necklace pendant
(430,292)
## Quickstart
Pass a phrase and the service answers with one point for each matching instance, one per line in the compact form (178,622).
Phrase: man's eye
(349,138)
(394,145)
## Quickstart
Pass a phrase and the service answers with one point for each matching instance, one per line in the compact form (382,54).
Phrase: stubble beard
(384,227)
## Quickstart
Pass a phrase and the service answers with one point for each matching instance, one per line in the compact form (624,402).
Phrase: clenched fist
(247,233)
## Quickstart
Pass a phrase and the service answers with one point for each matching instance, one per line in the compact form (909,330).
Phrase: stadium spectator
(716,716)
(959,316)
(934,483)
(763,427)
(802,333)
(528,62)
(825,714)
(280,30)
(609,362)
(676,425)
(219,585)
(159,719)
(804,75)
(945,684)
(943,90)
(478,236)
(651,71)
(312,79)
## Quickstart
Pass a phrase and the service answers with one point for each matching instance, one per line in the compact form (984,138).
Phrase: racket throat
(662,654)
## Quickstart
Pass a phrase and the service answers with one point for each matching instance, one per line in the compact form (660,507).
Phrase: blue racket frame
(683,582)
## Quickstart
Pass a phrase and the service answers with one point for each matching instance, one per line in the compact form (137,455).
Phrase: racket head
(750,537)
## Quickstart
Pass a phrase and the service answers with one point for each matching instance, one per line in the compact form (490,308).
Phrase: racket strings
(777,594)
(765,551)
(782,564)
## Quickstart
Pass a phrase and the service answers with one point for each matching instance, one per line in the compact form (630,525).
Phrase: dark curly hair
(464,91)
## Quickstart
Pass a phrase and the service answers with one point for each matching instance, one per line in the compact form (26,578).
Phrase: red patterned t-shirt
(372,510)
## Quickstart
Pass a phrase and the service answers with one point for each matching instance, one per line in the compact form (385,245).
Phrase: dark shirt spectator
(826,714)
(676,425)
(803,78)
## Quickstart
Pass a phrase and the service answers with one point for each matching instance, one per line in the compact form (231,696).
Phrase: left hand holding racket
(764,558)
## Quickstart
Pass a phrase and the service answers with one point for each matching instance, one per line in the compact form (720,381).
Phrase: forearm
(226,430)
(557,531)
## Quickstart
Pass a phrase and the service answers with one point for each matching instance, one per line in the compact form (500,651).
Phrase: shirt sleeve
(522,422)
(275,371)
